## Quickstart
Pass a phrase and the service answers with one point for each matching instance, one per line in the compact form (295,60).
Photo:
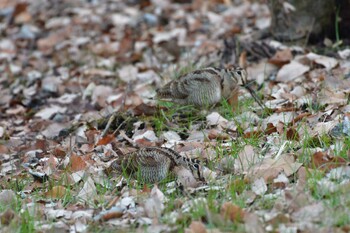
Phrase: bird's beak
(253,94)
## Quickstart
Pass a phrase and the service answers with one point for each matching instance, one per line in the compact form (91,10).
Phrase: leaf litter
(65,71)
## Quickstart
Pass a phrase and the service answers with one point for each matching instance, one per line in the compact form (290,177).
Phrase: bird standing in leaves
(153,164)
(206,87)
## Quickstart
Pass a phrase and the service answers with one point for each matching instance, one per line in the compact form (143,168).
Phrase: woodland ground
(68,66)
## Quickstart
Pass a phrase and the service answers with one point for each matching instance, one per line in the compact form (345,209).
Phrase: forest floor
(68,66)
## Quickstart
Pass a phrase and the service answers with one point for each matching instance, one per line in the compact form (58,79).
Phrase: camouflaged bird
(153,164)
(206,87)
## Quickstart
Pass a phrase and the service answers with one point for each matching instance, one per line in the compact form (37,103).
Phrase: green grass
(336,26)
(178,118)
(207,204)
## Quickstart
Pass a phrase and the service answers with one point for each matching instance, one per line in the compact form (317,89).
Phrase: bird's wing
(183,86)
(145,157)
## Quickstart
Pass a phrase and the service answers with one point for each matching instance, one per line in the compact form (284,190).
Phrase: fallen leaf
(270,129)
(154,205)
(48,112)
(281,57)
(281,181)
(106,140)
(269,168)
(114,212)
(292,134)
(128,73)
(216,119)
(88,193)
(185,177)
(77,163)
(246,159)
(232,212)
(328,62)
(100,94)
(7,217)
(326,162)
(259,187)
(291,71)
(197,227)
(252,223)
(56,192)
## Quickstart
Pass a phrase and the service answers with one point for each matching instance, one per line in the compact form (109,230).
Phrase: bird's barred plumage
(204,87)
(153,164)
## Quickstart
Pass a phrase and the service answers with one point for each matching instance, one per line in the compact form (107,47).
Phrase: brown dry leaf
(154,205)
(59,152)
(302,178)
(77,163)
(53,129)
(48,112)
(196,227)
(232,212)
(89,192)
(253,134)
(270,129)
(7,217)
(252,223)
(47,44)
(246,159)
(57,192)
(281,181)
(16,110)
(281,57)
(259,187)
(105,49)
(299,118)
(100,95)
(328,62)
(277,118)
(310,213)
(99,73)
(3,149)
(218,135)
(20,14)
(291,71)
(128,73)
(260,71)
(329,97)
(111,214)
(132,100)
(292,134)
(269,168)
(106,140)
(280,218)
(144,110)
(323,128)
(326,162)
(185,177)
(215,118)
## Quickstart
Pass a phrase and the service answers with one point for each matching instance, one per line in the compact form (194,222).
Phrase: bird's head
(239,75)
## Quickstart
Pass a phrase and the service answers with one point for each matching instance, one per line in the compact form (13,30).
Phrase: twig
(110,120)
(126,93)
(123,135)
(121,124)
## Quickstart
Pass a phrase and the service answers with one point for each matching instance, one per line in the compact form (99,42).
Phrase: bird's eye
(196,166)
(239,72)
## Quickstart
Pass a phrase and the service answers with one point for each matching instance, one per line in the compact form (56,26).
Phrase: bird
(153,164)
(206,87)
